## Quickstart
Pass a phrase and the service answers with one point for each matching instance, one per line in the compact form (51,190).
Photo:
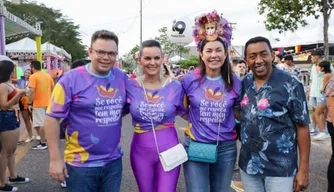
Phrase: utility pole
(141,22)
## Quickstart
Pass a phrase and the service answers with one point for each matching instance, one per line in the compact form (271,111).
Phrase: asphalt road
(35,166)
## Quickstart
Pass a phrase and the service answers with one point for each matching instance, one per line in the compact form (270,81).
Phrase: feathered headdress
(210,26)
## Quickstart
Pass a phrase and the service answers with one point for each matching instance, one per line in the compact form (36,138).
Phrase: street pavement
(34,164)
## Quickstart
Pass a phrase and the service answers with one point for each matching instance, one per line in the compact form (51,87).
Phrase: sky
(122,17)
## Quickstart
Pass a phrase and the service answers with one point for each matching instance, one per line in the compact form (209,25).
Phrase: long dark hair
(6,69)
(326,65)
(225,70)
(166,70)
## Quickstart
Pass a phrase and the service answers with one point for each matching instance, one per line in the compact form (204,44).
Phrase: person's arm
(4,104)
(57,169)
(299,114)
(59,108)
(32,87)
(301,180)
(31,95)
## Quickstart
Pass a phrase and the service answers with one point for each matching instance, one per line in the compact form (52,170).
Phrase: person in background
(274,125)
(79,62)
(325,68)
(329,95)
(241,69)
(234,63)
(315,98)
(278,59)
(212,92)
(167,72)
(40,88)
(191,68)
(9,124)
(24,104)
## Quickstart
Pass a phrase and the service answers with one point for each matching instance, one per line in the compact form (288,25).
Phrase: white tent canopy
(24,45)
(176,59)
(50,48)
(315,36)
(27,45)
(288,41)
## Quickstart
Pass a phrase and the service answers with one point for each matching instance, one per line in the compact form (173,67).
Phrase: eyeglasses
(101,53)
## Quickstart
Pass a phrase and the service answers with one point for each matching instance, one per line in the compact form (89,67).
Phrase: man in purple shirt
(91,98)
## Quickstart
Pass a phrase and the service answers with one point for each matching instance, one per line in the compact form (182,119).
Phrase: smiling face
(103,54)
(27,74)
(213,55)
(259,59)
(151,60)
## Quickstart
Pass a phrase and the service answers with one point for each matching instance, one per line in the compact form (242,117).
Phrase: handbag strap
(219,117)
(219,124)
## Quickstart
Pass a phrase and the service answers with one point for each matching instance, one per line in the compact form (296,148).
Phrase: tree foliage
(168,46)
(56,28)
(128,60)
(191,61)
(288,15)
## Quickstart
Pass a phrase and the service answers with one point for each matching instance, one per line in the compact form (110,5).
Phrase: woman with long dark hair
(328,92)
(9,123)
(212,91)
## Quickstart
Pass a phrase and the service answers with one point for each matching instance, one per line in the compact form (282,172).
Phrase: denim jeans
(211,177)
(9,120)
(253,183)
(95,179)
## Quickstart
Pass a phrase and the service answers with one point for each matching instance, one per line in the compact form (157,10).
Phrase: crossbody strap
(219,124)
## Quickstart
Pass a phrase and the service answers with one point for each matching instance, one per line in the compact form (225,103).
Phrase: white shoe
(320,137)
(29,139)
(63,184)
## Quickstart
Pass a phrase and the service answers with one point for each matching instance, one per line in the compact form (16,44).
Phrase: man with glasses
(91,97)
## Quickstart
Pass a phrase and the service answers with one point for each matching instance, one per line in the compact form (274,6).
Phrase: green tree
(56,28)
(168,46)
(128,60)
(287,15)
(191,61)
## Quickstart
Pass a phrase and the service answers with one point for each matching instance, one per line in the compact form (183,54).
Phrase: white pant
(38,116)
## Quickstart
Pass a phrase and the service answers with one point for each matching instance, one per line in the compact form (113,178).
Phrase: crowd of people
(256,101)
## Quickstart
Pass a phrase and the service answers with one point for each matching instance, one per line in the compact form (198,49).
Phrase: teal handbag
(202,152)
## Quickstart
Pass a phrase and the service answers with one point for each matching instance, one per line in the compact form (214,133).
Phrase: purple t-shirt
(208,100)
(162,106)
(93,107)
